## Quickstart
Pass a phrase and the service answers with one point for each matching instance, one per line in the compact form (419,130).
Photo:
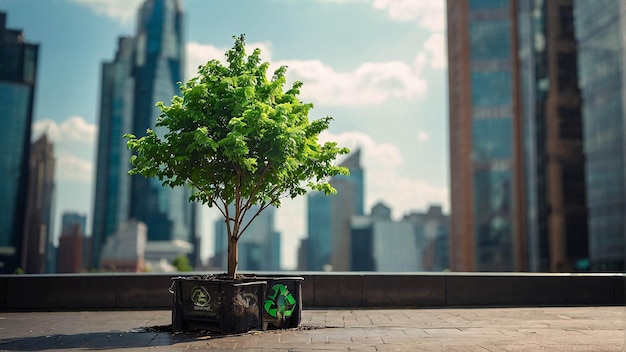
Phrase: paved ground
(493,329)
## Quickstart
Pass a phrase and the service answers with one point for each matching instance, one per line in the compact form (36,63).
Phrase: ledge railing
(128,291)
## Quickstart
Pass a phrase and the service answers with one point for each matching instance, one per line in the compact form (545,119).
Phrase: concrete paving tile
(442,332)
(367,339)
(415,333)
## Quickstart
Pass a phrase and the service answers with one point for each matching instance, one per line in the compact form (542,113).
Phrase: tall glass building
(329,218)
(517,166)
(146,70)
(39,220)
(486,231)
(600,32)
(18,68)
(554,175)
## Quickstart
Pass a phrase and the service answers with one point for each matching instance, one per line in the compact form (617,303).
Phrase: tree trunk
(233,257)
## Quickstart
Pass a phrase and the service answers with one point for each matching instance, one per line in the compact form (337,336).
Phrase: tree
(182,263)
(237,137)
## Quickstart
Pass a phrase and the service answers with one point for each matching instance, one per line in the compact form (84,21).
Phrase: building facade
(600,29)
(125,250)
(18,69)
(145,70)
(556,213)
(329,218)
(487,231)
(432,232)
(382,244)
(518,190)
(40,200)
(72,222)
(71,244)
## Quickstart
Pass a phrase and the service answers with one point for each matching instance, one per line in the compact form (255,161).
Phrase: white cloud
(74,143)
(121,10)
(370,83)
(74,129)
(436,46)
(72,168)
(429,14)
(422,136)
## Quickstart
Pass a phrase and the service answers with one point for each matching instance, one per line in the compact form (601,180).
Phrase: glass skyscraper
(554,175)
(485,226)
(600,33)
(517,169)
(329,217)
(18,67)
(145,70)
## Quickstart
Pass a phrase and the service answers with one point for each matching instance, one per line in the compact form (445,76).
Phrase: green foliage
(182,263)
(238,138)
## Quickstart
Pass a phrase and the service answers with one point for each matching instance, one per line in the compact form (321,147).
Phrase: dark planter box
(227,306)
(282,307)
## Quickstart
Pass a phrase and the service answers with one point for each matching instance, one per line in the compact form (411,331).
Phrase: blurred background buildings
(146,69)
(536,132)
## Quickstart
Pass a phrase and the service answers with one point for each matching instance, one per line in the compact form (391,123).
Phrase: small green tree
(182,263)
(238,138)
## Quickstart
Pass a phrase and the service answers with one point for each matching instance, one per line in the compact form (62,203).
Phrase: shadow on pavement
(141,337)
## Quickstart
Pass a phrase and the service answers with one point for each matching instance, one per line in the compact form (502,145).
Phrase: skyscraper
(329,218)
(599,28)
(382,244)
(485,166)
(553,141)
(74,224)
(40,199)
(18,68)
(146,70)
(432,230)
(517,180)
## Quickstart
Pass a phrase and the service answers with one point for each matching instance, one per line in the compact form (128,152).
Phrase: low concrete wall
(324,290)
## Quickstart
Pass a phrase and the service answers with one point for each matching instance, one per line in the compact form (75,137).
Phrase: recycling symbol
(200,297)
(280,304)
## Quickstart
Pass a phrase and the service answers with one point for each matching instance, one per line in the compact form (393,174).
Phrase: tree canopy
(238,137)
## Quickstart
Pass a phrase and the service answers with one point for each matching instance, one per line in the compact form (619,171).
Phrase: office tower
(553,140)
(319,245)
(70,259)
(302,255)
(432,230)
(515,144)
(145,70)
(18,68)
(599,28)
(259,245)
(382,244)
(485,166)
(68,220)
(38,222)
(362,239)
(329,218)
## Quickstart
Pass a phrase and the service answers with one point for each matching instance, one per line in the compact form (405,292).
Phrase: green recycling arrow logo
(200,297)
(280,304)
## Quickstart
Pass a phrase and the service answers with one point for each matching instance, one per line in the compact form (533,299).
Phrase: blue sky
(378,67)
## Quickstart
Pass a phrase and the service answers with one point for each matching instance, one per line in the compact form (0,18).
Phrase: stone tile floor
(475,329)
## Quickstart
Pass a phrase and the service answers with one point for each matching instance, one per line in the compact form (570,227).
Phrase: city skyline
(377,67)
